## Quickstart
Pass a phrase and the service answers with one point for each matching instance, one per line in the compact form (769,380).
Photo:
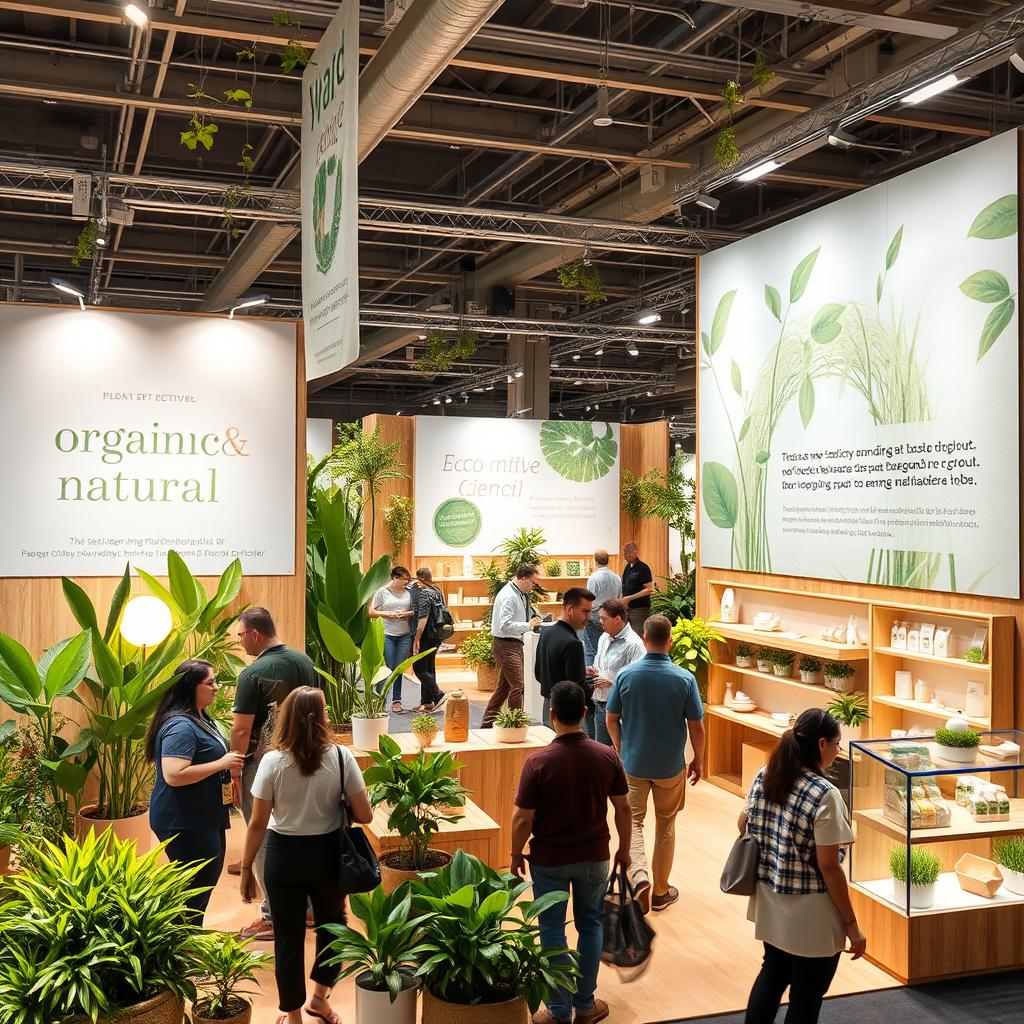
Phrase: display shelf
(749,719)
(800,645)
(981,668)
(917,708)
(730,781)
(752,673)
(540,579)
(961,825)
(949,897)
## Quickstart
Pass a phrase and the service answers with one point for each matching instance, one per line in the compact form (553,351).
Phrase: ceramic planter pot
(424,739)
(392,877)
(243,1016)
(487,678)
(839,685)
(783,670)
(514,735)
(744,662)
(849,733)
(1013,880)
(366,732)
(922,897)
(809,677)
(764,666)
(134,829)
(958,755)
(161,1009)
(437,1011)
(376,1007)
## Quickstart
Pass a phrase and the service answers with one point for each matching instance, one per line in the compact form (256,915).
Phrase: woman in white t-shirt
(393,604)
(297,794)
(801,910)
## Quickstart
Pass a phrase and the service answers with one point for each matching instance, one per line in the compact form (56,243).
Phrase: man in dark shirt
(560,650)
(562,802)
(275,671)
(637,587)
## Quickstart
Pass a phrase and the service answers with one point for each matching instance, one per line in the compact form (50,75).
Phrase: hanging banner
(330,197)
(859,386)
(124,435)
(479,480)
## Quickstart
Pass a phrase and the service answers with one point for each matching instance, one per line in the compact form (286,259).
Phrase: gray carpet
(990,999)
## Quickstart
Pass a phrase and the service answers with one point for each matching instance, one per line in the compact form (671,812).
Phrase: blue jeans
(591,634)
(595,726)
(587,881)
(396,650)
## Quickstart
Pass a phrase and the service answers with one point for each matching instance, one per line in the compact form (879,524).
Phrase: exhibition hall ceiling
(500,131)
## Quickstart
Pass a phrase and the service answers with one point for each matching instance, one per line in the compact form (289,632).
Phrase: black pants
(807,977)
(301,868)
(186,847)
(426,672)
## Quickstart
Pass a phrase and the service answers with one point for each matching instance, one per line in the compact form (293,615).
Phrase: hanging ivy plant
(398,521)
(577,276)
(761,75)
(726,151)
(733,96)
(85,246)
(444,350)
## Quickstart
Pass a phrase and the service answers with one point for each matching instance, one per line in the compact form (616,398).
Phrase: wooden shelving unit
(816,648)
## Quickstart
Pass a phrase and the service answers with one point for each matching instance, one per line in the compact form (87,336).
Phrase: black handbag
(360,871)
(739,877)
(627,935)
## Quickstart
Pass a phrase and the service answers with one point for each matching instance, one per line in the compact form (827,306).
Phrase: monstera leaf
(574,451)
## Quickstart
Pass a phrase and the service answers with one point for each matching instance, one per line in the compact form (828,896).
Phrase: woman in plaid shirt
(801,911)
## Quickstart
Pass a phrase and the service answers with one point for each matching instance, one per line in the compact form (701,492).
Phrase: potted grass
(383,957)
(957,745)
(850,710)
(124,945)
(765,659)
(782,663)
(419,794)
(511,725)
(477,655)
(922,868)
(1008,853)
(744,655)
(225,965)
(838,675)
(810,669)
(482,957)
(424,728)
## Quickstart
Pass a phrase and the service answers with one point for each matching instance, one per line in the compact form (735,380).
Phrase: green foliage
(294,55)
(522,548)
(784,659)
(481,943)
(476,649)
(975,655)
(674,598)
(414,791)
(838,669)
(1009,853)
(744,650)
(92,928)
(633,497)
(574,451)
(511,718)
(761,74)
(580,276)
(766,654)
(18,780)
(849,709)
(199,130)
(691,646)
(553,568)
(390,945)
(727,153)
(443,350)
(997,220)
(733,96)
(962,739)
(85,244)
(809,664)
(424,724)
(922,865)
(225,965)
(397,517)
(240,96)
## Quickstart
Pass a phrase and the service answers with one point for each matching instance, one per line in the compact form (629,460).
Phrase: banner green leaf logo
(575,452)
(997,220)
(325,240)
(721,499)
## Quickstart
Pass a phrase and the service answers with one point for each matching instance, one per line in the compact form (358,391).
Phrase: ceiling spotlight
(648,317)
(422,337)
(708,202)
(137,14)
(842,139)
(599,352)
(436,401)
(632,349)
(554,364)
(68,289)
(650,394)
(398,412)
(602,116)
(577,383)
(575,357)
(678,445)
(759,170)
(490,387)
(597,405)
(508,379)
(587,409)
(478,390)
(1017,57)
(253,300)
(448,400)
(518,374)
(926,92)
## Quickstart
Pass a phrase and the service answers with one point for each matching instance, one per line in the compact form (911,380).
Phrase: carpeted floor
(989,999)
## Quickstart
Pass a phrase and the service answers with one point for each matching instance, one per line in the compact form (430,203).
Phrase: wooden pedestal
(475,833)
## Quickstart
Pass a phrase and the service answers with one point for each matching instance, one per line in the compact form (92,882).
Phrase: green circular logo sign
(457,522)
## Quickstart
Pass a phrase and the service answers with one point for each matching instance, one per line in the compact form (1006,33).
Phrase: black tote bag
(360,871)
(627,935)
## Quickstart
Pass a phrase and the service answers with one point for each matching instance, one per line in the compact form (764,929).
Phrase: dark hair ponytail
(796,753)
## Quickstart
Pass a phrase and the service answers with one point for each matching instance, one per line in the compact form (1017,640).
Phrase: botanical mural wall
(859,386)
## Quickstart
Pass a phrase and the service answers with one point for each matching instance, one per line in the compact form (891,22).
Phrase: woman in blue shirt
(192,793)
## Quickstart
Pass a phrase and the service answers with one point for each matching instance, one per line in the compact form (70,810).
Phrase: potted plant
(424,728)
(838,675)
(419,793)
(124,944)
(957,745)
(744,655)
(782,663)
(483,961)
(810,669)
(975,655)
(477,655)
(765,659)
(922,867)
(383,957)
(1008,853)
(225,965)
(553,568)
(17,792)
(850,710)
(691,648)
(510,725)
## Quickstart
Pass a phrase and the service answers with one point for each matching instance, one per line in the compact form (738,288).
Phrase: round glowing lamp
(146,621)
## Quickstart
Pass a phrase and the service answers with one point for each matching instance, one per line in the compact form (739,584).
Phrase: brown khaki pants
(669,798)
(509,656)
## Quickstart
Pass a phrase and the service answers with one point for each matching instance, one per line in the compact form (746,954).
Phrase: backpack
(440,623)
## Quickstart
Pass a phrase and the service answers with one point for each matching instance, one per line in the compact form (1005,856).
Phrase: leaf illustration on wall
(825,327)
(806,400)
(744,428)
(995,324)
(997,220)
(718,491)
(574,451)
(802,275)
(879,284)
(894,249)
(773,301)
(705,343)
(737,379)
(986,286)
(720,322)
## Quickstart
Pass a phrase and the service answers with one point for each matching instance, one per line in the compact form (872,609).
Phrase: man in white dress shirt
(604,584)
(618,647)
(511,617)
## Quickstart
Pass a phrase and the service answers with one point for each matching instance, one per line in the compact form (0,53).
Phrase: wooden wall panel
(644,447)
(403,429)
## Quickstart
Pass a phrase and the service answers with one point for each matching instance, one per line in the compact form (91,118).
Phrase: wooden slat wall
(393,428)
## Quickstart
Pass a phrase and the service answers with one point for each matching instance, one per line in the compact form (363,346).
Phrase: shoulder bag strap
(346,814)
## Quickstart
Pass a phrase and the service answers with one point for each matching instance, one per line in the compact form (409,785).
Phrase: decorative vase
(764,665)
(373,1007)
(809,677)
(744,661)
(837,684)
(366,732)
(1013,881)
(921,896)
(243,1016)
(504,734)
(134,829)
(487,678)
(392,877)
(785,671)
(511,1011)
(958,755)
(456,718)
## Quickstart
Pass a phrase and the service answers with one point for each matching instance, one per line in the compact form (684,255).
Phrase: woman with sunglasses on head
(297,805)
(801,910)
(393,603)
(192,792)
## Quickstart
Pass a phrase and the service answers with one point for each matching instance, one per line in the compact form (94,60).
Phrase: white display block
(533,702)
(948,895)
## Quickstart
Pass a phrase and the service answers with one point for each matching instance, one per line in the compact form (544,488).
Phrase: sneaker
(665,899)
(545,1016)
(236,868)
(259,931)
(599,1012)
(642,894)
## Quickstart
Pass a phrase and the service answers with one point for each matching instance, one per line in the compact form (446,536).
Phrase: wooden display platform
(475,833)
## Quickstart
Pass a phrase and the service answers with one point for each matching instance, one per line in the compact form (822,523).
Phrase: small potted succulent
(782,663)
(922,867)
(765,659)
(957,745)
(226,965)
(975,655)
(1008,853)
(810,669)
(744,656)
(838,675)
(424,728)
(510,725)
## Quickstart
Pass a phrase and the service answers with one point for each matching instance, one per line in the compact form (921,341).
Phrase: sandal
(424,709)
(396,709)
(330,1018)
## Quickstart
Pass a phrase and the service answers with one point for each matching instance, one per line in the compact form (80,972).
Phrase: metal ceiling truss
(617,396)
(470,383)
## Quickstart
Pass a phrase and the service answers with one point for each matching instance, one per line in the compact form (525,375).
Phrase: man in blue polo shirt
(652,707)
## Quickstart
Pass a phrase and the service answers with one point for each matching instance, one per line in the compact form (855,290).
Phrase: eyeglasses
(243,632)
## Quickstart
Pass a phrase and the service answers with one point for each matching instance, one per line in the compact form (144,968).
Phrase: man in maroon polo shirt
(562,802)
